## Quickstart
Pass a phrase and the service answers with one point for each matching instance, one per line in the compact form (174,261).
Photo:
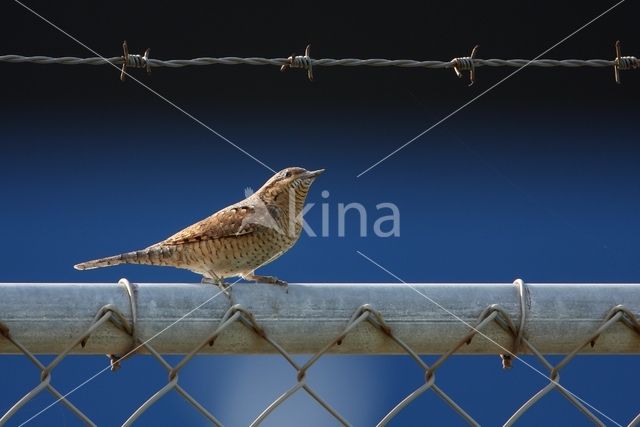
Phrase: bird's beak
(313,174)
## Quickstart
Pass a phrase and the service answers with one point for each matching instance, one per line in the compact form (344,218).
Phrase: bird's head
(289,184)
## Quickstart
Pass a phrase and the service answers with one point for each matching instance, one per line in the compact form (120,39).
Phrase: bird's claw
(279,282)
(268,279)
(275,281)
(224,288)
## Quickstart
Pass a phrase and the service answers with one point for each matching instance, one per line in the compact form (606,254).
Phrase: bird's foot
(219,282)
(114,361)
(224,288)
(268,279)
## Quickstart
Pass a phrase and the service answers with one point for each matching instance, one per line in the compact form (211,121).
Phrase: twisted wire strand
(324,62)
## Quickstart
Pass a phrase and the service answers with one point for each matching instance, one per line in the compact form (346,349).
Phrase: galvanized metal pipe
(45,317)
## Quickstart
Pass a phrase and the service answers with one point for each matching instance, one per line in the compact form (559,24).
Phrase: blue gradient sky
(490,196)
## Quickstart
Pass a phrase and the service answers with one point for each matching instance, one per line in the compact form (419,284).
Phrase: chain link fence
(507,326)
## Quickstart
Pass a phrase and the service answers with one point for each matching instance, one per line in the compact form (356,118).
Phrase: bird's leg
(219,282)
(266,279)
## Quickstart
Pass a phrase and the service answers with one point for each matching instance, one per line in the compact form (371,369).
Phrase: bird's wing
(232,221)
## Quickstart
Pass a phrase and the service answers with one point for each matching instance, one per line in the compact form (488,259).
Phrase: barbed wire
(237,314)
(306,62)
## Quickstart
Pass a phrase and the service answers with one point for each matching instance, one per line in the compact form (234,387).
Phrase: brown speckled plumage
(237,239)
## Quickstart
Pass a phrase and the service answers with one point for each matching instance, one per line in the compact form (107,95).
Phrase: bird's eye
(287,175)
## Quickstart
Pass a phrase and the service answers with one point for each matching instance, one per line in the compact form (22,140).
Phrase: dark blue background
(538,179)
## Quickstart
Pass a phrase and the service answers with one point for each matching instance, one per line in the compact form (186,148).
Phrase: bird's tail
(149,256)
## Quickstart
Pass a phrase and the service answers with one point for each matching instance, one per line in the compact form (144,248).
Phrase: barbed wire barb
(134,61)
(623,62)
(296,61)
(466,63)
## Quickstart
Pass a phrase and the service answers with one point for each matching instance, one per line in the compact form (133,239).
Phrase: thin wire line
(431,300)
(183,111)
(448,116)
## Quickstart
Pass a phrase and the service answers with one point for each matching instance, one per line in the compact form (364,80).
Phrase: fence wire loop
(618,313)
(115,359)
(248,319)
(134,60)
(108,312)
(507,359)
(298,61)
(4,330)
(377,320)
(629,319)
(466,63)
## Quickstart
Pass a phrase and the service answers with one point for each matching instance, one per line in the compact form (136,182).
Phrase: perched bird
(236,240)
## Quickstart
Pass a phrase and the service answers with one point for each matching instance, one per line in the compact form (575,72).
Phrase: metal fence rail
(318,319)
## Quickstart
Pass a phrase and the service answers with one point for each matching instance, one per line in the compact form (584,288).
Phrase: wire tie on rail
(466,63)
(134,60)
(507,359)
(132,293)
(298,61)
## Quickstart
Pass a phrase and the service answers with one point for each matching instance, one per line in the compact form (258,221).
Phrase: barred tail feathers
(149,256)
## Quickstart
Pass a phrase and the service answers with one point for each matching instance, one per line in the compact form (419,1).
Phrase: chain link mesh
(237,314)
